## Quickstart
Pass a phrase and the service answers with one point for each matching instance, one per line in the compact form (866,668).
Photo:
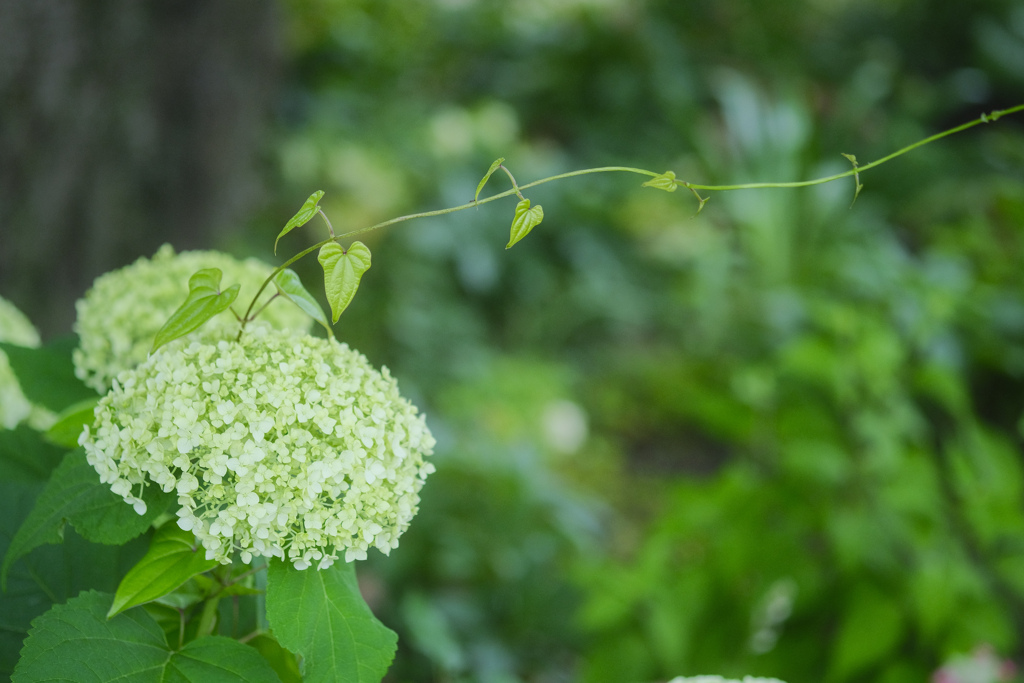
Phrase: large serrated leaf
(75,494)
(487,176)
(291,288)
(304,215)
(204,301)
(525,220)
(343,268)
(51,574)
(173,558)
(321,616)
(46,374)
(76,642)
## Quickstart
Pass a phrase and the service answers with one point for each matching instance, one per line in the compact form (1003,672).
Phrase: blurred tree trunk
(124,125)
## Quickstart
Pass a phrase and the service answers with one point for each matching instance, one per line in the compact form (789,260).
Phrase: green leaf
(666,181)
(46,374)
(174,557)
(871,629)
(75,494)
(71,421)
(305,215)
(526,219)
(342,272)
(856,176)
(76,642)
(321,616)
(204,301)
(216,658)
(282,661)
(290,287)
(51,574)
(26,457)
(487,176)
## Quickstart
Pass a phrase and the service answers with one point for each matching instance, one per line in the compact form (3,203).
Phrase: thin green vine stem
(984,118)
(693,187)
(427,214)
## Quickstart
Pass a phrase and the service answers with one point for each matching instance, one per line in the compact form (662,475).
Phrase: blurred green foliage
(781,438)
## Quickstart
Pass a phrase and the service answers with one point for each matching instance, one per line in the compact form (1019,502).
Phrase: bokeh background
(783,437)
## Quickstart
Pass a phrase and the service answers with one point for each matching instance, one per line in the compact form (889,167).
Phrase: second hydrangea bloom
(282,445)
(124,309)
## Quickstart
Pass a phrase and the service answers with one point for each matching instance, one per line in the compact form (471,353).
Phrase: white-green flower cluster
(125,308)
(281,444)
(15,328)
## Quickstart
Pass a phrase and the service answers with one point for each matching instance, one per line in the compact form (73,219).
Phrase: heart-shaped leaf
(173,558)
(290,287)
(487,176)
(204,301)
(526,219)
(666,181)
(342,272)
(304,215)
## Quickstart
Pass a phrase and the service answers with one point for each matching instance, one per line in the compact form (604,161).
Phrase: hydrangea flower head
(125,308)
(281,444)
(15,328)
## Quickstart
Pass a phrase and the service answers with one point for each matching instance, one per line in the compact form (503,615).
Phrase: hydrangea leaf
(51,574)
(70,422)
(304,215)
(75,494)
(321,616)
(290,287)
(343,268)
(282,661)
(204,301)
(487,176)
(46,374)
(525,220)
(26,457)
(666,181)
(77,637)
(174,557)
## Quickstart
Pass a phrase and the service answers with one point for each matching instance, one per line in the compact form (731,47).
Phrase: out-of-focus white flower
(15,328)
(281,445)
(565,426)
(719,679)
(982,666)
(125,308)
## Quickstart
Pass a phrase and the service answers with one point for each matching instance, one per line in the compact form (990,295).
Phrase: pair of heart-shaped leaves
(343,268)
(526,218)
